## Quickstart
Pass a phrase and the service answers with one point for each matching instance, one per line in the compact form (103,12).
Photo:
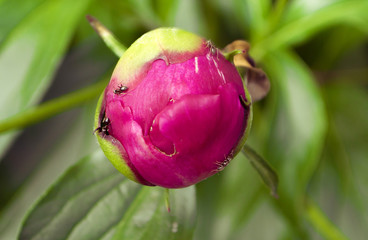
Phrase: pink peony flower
(175,111)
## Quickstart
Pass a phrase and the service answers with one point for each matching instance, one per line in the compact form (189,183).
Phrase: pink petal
(187,125)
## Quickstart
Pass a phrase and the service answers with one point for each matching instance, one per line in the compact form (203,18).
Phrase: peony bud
(175,111)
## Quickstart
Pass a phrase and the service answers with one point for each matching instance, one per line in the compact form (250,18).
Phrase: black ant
(121,89)
(103,128)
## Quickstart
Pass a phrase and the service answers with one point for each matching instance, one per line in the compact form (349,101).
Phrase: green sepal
(264,169)
(162,43)
(230,55)
(244,138)
(110,150)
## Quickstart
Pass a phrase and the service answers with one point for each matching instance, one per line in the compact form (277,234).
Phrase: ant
(212,48)
(221,165)
(121,89)
(103,128)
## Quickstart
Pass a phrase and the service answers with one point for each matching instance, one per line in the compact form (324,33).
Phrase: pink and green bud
(175,111)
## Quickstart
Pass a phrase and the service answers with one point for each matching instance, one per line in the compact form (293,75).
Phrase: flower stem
(52,107)
(167,199)
(322,224)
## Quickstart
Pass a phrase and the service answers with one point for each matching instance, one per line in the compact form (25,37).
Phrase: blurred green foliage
(312,127)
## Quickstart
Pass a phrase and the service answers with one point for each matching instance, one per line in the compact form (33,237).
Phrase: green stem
(273,20)
(52,107)
(277,13)
(110,40)
(322,224)
(167,199)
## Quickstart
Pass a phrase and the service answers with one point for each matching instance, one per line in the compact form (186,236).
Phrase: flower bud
(175,111)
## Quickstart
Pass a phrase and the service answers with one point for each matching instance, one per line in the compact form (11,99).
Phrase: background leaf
(227,201)
(75,141)
(93,190)
(148,218)
(351,12)
(254,13)
(297,132)
(12,12)
(344,159)
(31,52)
(189,17)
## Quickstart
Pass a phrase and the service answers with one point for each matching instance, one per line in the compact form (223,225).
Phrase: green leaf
(32,51)
(328,51)
(267,174)
(166,10)
(254,13)
(148,218)
(81,189)
(188,16)
(300,8)
(299,126)
(296,134)
(345,156)
(297,30)
(12,12)
(322,223)
(146,14)
(263,223)
(92,200)
(227,200)
(73,144)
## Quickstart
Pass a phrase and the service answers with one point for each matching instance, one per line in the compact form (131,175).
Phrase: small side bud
(257,82)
